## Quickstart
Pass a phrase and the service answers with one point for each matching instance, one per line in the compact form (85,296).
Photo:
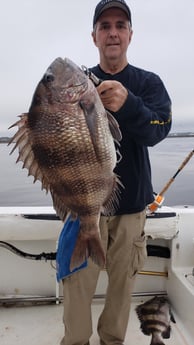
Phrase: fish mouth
(79,85)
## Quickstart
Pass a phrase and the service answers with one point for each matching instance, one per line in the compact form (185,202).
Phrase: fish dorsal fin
(23,143)
(114,127)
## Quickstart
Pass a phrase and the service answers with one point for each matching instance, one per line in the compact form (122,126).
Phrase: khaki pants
(124,242)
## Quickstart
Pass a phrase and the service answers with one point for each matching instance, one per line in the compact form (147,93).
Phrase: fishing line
(160,196)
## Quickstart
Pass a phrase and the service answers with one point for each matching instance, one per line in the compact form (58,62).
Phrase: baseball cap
(105,4)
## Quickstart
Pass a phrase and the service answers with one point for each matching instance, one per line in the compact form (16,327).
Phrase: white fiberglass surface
(43,325)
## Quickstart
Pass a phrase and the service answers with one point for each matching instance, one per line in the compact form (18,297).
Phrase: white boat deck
(42,325)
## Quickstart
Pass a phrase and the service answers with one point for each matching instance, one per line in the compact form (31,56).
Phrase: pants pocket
(138,255)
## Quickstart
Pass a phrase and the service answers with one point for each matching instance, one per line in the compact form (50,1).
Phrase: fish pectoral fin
(90,117)
(91,121)
(85,248)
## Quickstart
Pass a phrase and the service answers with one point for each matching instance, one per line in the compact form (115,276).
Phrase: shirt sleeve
(147,117)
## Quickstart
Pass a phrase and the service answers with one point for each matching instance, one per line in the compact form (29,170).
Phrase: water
(17,189)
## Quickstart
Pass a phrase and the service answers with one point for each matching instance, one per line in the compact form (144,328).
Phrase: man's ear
(130,35)
(93,34)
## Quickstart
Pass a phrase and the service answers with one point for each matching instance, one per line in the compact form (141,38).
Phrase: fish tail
(87,246)
(96,251)
(156,339)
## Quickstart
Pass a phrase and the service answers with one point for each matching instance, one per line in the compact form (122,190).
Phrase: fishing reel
(96,81)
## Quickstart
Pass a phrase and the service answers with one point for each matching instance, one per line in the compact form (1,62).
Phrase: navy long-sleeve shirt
(144,120)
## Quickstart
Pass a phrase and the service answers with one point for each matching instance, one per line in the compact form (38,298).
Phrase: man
(140,103)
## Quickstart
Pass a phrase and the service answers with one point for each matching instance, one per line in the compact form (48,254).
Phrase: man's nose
(113,32)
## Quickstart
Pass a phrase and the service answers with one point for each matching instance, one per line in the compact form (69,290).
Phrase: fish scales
(155,316)
(66,141)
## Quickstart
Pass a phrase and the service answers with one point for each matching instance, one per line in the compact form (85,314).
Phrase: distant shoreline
(5,140)
(181,135)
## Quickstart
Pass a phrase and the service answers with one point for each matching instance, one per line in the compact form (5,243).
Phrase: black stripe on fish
(53,158)
(147,311)
(150,326)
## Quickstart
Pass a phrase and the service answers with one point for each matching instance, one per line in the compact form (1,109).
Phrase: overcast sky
(35,32)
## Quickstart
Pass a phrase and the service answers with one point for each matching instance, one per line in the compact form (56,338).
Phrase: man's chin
(112,57)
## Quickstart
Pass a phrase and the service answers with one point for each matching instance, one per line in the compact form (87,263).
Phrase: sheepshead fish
(66,141)
(155,316)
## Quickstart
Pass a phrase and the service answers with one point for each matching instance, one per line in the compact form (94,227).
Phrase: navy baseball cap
(105,4)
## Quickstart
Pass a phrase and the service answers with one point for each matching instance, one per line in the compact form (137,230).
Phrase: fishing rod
(160,196)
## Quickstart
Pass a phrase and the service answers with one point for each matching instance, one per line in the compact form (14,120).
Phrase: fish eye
(48,77)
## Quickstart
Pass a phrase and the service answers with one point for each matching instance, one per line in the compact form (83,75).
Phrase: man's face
(112,34)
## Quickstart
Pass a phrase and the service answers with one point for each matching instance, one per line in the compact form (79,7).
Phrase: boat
(31,299)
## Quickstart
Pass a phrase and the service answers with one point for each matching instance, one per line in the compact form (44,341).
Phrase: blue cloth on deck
(66,245)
